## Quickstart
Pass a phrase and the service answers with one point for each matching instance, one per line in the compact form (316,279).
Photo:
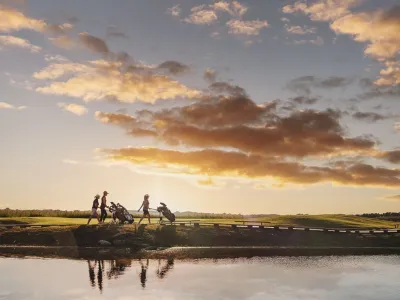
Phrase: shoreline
(157,241)
(182,253)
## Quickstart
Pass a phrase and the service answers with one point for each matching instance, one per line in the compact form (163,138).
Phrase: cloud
(113,31)
(63,42)
(57,57)
(322,10)
(392,198)
(239,27)
(304,84)
(13,20)
(369,116)
(210,75)
(221,87)
(304,100)
(105,80)
(174,67)
(93,43)
(318,41)
(397,126)
(58,70)
(236,122)
(76,109)
(12,41)
(174,11)
(392,156)
(378,29)
(240,165)
(5,105)
(391,75)
(202,16)
(300,30)
(59,29)
(234,8)
(70,162)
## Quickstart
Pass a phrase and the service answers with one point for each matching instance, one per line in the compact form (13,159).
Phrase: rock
(119,243)
(104,243)
(162,248)
(124,236)
(151,248)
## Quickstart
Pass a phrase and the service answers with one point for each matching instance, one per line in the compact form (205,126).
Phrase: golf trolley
(164,211)
(120,214)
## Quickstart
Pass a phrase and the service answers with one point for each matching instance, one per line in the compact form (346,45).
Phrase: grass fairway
(326,221)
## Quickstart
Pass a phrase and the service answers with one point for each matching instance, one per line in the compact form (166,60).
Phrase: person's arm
(140,207)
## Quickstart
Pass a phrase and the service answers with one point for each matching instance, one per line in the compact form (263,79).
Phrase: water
(280,278)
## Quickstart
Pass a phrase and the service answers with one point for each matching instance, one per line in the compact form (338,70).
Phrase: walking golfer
(145,205)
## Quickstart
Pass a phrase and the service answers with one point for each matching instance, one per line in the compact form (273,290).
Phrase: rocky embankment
(167,236)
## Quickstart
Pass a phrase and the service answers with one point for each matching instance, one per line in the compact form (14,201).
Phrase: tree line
(18,213)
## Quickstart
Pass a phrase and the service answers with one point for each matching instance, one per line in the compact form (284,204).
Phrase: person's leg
(90,218)
(141,219)
(105,215)
(148,217)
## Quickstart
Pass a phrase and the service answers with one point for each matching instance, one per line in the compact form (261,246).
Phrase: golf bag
(164,210)
(121,213)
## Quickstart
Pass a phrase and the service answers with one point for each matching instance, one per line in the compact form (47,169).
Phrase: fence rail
(197,224)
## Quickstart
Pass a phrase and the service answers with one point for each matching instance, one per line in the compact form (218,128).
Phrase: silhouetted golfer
(145,205)
(94,213)
(103,206)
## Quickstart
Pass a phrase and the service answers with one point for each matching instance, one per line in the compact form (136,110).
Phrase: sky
(230,106)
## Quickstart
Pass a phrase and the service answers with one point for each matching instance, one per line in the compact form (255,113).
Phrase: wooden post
(290,228)
(276,227)
(250,226)
(216,225)
(196,225)
(337,230)
(182,224)
(326,230)
(261,227)
(306,229)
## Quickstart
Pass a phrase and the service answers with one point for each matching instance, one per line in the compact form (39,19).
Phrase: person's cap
(146,196)
(97,196)
(105,192)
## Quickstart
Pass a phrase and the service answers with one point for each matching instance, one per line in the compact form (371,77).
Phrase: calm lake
(349,277)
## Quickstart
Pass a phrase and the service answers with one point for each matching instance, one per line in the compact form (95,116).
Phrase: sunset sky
(257,106)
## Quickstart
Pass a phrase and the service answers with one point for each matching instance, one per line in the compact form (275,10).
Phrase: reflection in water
(117,268)
(165,269)
(143,273)
(273,278)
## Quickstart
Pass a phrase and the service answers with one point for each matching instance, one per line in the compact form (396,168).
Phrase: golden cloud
(322,10)
(235,164)
(13,20)
(237,122)
(239,27)
(76,109)
(103,80)
(5,105)
(12,41)
(202,16)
